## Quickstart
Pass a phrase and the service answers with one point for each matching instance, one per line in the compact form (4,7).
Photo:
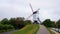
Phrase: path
(8,32)
(43,30)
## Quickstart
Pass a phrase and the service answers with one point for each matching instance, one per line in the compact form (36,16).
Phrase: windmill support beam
(35,22)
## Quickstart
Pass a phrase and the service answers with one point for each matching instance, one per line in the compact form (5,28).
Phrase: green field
(28,29)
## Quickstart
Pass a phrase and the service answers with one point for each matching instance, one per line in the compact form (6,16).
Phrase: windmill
(35,15)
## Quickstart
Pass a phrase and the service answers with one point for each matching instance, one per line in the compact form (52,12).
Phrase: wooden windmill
(35,15)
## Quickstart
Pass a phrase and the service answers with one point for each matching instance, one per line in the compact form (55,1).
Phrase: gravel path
(8,32)
(43,30)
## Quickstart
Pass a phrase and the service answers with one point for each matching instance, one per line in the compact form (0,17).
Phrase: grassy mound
(29,29)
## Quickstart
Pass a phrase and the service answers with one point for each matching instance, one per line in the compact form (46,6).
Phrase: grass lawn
(28,29)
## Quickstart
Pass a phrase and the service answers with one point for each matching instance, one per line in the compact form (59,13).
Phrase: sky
(49,9)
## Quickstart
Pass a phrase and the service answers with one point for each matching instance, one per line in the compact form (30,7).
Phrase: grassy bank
(28,29)
(51,32)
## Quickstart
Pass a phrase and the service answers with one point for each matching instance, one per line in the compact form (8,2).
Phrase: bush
(7,27)
(5,21)
(1,26)
(10,27)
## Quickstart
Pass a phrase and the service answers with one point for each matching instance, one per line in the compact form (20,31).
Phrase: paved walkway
(43,30)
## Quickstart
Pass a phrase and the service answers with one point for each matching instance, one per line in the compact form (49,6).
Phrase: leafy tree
(12,22)
(9,27)
(5,21)
(27,22)
(6,27)
(47,23)
(58,23)
(1,26)
(53,24)
(17,22)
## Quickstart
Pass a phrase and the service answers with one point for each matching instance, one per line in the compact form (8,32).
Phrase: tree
(1,26)
(27,22)
(7,27)
(58,23)
(47,23)
(12,22)
(53,24)
(17,22)
(5,21)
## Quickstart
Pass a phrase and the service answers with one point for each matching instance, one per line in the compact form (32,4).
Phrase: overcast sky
(20,8)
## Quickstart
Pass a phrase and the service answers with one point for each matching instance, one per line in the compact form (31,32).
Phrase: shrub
(1,26)
(7,27)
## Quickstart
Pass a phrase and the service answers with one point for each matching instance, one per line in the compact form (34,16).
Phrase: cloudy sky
(20,8)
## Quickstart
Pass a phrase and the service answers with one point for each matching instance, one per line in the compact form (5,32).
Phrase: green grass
(28,29)
(51,32)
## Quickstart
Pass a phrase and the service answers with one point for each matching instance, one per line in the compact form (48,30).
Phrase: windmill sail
(39,20)
(31,7)
(29,16)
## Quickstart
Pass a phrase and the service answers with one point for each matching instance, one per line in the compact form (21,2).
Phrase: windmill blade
(31,7)
(29,16)
(38,9)
(39,20)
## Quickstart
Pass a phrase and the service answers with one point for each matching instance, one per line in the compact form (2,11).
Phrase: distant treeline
(13,23)
(52,24)
(20,22)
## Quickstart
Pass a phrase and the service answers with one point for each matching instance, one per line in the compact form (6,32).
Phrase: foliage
(26,22)
(48,23)
(28,29)
(13,23)
(1,26)
(5,21)
(53,24)
(7,27)
(18,22)
(58,23)
(5,24)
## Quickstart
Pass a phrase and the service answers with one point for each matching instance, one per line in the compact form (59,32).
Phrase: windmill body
(35,15)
